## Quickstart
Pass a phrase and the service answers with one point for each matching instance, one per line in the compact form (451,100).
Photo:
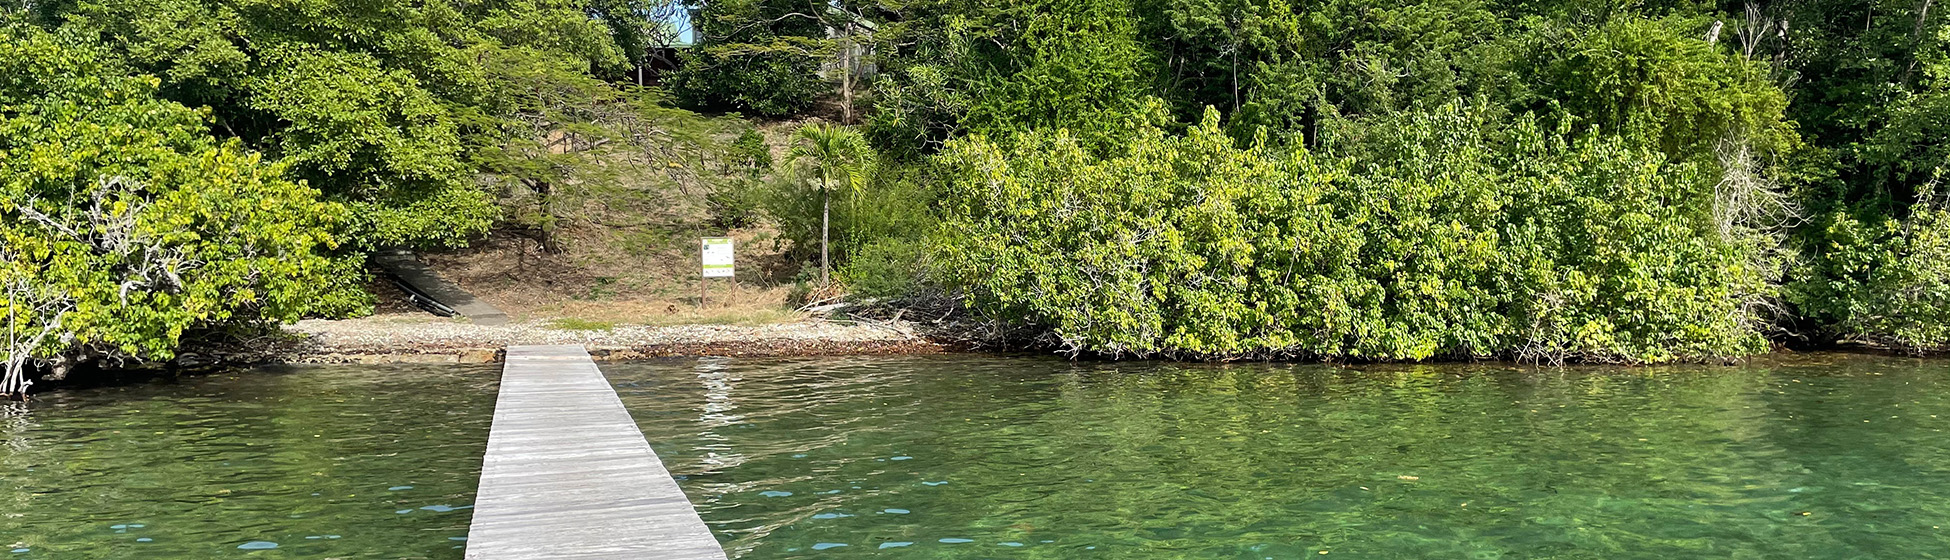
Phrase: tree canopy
(123,223)
(172,165)
(374,104)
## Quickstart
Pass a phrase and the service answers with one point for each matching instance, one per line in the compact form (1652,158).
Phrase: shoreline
(419,339)
(415,339)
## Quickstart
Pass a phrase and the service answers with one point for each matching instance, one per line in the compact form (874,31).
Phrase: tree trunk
(825,225)
(13,375)
(1922,16)
(846,75)
(1235,75)
(545,193)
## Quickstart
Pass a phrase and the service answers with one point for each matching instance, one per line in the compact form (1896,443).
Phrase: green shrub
(1884,283)
(770,84)
(750,153)
(123,224)
(737,202)
(795,210)
(884,268)
(890,206)
(1443,244)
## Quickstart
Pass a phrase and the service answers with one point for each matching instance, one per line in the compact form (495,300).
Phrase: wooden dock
(569,475)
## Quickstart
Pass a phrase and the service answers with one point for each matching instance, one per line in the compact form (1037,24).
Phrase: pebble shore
(393,340)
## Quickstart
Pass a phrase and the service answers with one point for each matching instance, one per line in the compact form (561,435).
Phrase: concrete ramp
(568,474)
(439,295)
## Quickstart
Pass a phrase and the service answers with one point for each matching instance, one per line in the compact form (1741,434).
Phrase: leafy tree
(1913,146)
(641,29)
(761,56)
(1302,69)
(1657,83)
(372,103)
(1869,99)
(123,223)
(1854,64)
(1005,68)
(573,148)
(834,157)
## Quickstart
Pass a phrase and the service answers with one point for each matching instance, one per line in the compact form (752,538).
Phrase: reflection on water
(289,462)
(1821,456)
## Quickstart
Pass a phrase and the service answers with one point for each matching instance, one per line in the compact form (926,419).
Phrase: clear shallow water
(292,462)
(1821,456)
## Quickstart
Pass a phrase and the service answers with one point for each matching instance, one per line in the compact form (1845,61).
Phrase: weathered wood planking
(569,475)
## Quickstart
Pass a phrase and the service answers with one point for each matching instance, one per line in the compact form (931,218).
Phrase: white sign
(717,257)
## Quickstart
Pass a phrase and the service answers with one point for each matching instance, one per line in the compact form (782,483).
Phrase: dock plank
(568,474)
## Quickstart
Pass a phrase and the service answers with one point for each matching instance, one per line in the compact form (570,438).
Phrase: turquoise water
(290,462)
(1820,456)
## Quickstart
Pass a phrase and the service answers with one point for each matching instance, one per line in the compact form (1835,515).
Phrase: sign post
(717,261)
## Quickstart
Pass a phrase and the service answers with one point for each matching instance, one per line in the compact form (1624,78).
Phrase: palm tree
(839,157)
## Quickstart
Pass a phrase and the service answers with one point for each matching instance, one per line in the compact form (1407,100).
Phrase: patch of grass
(649,242)
(666,305)
(741,316)
(573,324)
(604,288)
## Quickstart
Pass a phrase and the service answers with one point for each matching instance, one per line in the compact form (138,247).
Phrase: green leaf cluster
(373,103)
(1442,244)
(756,56)
(123,223)
(214,163)
(1874,83)
(1002,68)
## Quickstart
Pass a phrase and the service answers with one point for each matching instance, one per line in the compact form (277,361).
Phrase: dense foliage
(372,103)
(1446,245)
(173,166)
(123,223)
(1798,147)
(758,56)
(1008,67)
(1743,170)
(1875,99)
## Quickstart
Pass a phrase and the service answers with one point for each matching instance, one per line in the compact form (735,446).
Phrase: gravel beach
(416,339)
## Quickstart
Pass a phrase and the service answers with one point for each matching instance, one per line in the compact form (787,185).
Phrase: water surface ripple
(285,462)
(1816,456)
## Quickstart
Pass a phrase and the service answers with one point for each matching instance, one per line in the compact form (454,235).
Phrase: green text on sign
(718,257)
